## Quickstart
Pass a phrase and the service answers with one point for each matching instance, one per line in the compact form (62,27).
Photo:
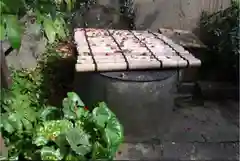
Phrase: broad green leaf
(49,29)
(4,7)
(10,6)
(68,103)
(101,121)
(27,124)
(21,107)
(79,141)
(28,154)
(15,120)
(49,113)
(27,113)
(72,157)
(39,17)
(51,129)
(13,158)
(2,32)
(59,4)
(69,4)
(68,114)
(49,153)
(101,114)
(59,1)
(62,143)
(39,141)
(81,113)
(46,7)
(99,152)
(73,3)
(113,131)
(113,134)
(59,24)
(71,105)
(79,124)
(75,98)
(2,158)
(14,31)
(102,109)
(6,125)
(68,109)
(53,12)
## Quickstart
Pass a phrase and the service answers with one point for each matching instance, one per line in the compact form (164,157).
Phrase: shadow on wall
(112,14)
(115,14)
(178,14)
(149,20)
(142,14)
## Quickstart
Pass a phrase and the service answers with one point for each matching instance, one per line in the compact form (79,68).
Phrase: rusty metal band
(152,54)
(177,52)
(124,56)
(90,50)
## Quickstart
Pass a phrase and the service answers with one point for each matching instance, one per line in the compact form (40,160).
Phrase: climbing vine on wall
(48,14)
(127,11)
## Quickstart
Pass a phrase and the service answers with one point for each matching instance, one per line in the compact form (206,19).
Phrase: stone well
(142,100)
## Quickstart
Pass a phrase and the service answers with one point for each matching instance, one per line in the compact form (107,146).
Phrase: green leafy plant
(48,14)
(72,132)
(33,130)
(221,33)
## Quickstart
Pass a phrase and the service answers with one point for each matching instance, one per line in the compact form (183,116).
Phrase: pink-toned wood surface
(110,50)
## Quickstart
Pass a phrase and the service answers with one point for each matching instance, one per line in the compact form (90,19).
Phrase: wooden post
(5,80)
(5,74)
(5,83)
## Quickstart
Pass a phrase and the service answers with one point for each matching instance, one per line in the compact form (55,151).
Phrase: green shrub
(221,33)
(72,132)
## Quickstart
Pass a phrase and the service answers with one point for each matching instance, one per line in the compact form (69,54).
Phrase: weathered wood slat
(102,59)
(87,67)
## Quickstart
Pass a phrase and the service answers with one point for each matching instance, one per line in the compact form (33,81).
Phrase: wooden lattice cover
(110,50)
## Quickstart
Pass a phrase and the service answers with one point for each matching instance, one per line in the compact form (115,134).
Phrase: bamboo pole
(88,67)
(149,59)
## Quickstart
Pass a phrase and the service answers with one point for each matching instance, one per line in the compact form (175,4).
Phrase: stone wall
(179,14)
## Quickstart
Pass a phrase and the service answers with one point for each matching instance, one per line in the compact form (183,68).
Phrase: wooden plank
(110,66)
(103,59)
